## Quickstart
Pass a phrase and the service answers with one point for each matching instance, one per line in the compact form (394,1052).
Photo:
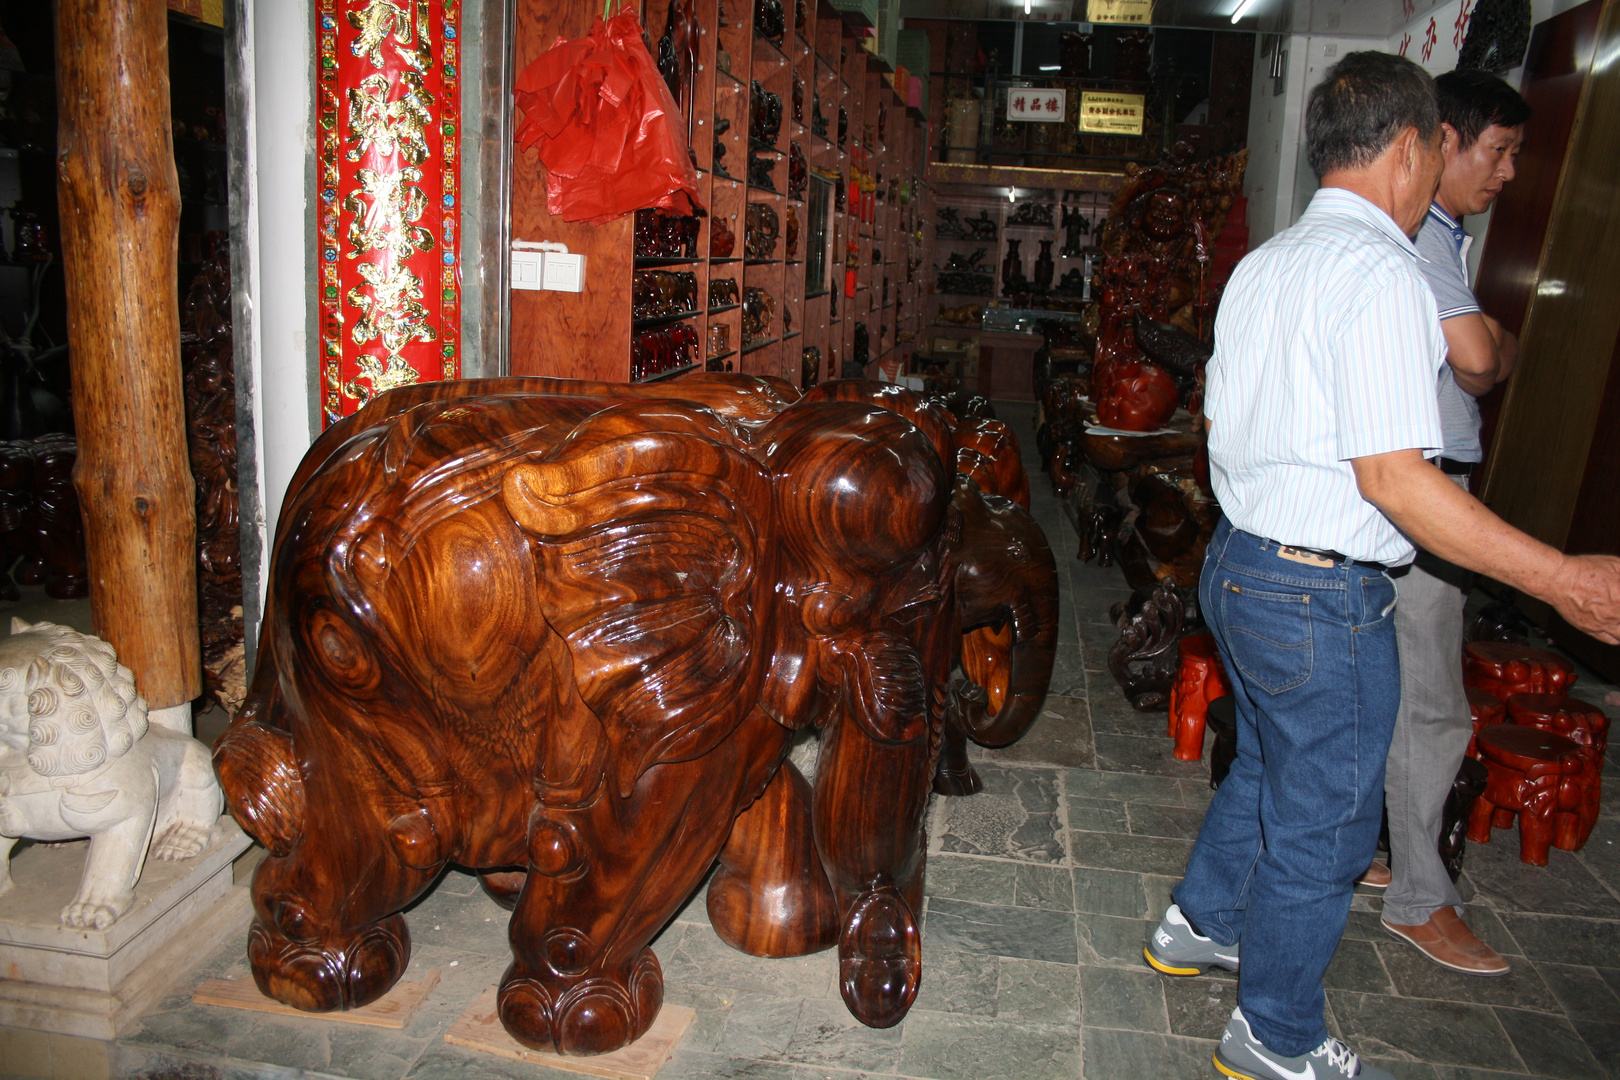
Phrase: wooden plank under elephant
(120,205)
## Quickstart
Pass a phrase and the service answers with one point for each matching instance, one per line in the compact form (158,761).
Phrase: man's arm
(1480,352)
(1442,518)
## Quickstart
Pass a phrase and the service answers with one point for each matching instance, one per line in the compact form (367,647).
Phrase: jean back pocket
(1269,635)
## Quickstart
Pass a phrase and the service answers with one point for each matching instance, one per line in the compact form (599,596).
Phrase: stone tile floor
(1041,891)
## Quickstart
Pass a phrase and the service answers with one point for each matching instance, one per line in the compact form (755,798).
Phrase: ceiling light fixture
(1242,10)
(1051,67)
(1012,195)
(1026,6)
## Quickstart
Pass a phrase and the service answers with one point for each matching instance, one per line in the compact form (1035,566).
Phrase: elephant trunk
(1006,588)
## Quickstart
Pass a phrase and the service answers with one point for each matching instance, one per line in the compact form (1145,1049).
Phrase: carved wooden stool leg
(770,896)
(1199,681)
(1526,773)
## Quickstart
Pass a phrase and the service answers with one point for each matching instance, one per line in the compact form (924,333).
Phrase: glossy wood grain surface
(570,628)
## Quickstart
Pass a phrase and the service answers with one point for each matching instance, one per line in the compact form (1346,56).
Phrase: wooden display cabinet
(588,335)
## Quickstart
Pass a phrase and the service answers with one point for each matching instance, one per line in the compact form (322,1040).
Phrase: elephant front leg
(604,878)
(770,895)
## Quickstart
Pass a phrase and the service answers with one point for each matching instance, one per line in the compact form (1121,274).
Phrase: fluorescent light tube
(1242,10)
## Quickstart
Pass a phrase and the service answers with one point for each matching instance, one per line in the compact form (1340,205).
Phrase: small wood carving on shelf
(41,529)
(1145,659)
(561,633)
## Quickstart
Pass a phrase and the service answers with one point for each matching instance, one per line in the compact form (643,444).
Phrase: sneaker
(1177,949)
(1242,1057)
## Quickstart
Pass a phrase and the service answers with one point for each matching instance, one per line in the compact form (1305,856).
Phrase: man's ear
(1408,145)
(1450,140)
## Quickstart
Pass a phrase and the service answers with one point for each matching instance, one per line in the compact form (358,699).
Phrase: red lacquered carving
(1588,727)
(1200,680)
(1528,772)
(1485,709)
(1505,669)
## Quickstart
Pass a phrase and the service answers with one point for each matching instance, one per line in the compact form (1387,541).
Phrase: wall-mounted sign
(1129,12)
(1111,114)
(1050,106)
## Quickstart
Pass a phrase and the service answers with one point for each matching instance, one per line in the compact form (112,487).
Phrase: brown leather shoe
(1376,877)
(1448,941)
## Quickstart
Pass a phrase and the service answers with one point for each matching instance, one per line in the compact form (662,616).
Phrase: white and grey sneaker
(1177,949)
(1242,1057)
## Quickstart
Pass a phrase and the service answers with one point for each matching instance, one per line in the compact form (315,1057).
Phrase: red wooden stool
(1200,680)
(1485,709)
(1503,669)
(1526,771)
(1587,727)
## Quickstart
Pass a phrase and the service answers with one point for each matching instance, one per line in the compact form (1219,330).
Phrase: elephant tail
(263,786)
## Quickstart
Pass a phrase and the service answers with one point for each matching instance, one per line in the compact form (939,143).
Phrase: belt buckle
(1300,555)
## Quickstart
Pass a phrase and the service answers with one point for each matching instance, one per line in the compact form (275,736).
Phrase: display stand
(392,1010)
(479,1028)
(94,983)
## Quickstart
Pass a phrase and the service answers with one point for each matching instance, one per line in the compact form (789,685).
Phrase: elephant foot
(958,782)
(770,896)
(592,1015)
(879,956)
(316,976)
(503,886)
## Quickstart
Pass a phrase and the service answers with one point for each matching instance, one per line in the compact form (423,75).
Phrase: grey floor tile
(1027,933)
(1048,887)
(1122,998)
(1087,814)
(1060,735)
(712,1008)
(1457,1072)
(1091,608)
(442,1061)
(828,1036)
(1113,941)
(703,959)
(1146,854)
(1565,940)
(1111,714)
(981,880)
(1015,816)
(1158,888)
(1563,887)
(1175,822)
(1356,967)
(963,1048)
(1126,787)
(1068,672)
(1122,1054)
(1037,992)
(1441,1032)
(1603,1040)
(957,982)
(1550,1046)
(1199,1007)
(1151,754)
(760,1027)
(1094,653)
(1610,975)
(1416,976)
(1110,892)
(369,1053)
(688,1064)
(1405,1070)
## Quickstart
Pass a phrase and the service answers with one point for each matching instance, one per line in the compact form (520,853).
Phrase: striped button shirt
(1327,348)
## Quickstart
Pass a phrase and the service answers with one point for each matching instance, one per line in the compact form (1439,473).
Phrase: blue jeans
(1311,656)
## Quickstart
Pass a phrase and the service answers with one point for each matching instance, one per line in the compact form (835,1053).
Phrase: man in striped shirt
(1322,406)
(1482,127)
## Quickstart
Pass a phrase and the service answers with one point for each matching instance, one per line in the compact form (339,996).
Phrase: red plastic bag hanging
(609,133)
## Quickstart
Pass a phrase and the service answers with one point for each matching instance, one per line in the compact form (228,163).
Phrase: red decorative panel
(386,106)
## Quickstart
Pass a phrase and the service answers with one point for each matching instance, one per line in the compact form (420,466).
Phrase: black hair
(1363,102)
(1473,100)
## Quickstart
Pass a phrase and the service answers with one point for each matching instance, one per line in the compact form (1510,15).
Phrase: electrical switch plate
(527,267)
(564,272)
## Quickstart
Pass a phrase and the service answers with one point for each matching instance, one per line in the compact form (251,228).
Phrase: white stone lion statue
(77,759)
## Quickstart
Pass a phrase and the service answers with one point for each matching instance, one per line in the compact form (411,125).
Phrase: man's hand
(1591,602)
(1442,518)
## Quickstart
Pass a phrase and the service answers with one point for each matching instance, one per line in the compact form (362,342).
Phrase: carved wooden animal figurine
(1200,680)
(77,758)
(562,632)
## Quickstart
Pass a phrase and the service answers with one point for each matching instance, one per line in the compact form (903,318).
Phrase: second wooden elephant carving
(562,634)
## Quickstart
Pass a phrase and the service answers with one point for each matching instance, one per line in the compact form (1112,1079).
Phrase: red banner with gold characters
(387,108)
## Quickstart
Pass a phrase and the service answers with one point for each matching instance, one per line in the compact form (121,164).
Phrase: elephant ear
(653,573)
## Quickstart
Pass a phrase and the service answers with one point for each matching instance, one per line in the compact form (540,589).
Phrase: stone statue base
(95,983)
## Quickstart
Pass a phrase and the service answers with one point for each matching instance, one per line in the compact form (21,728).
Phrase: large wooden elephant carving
(561,633)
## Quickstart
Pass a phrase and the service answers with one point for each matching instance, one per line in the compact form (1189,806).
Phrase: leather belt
(1453,467)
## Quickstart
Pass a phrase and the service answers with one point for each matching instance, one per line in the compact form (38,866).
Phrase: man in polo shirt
(1322,406)
(1482,123)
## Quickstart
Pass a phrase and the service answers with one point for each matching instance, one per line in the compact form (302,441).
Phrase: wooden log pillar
(120,204)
